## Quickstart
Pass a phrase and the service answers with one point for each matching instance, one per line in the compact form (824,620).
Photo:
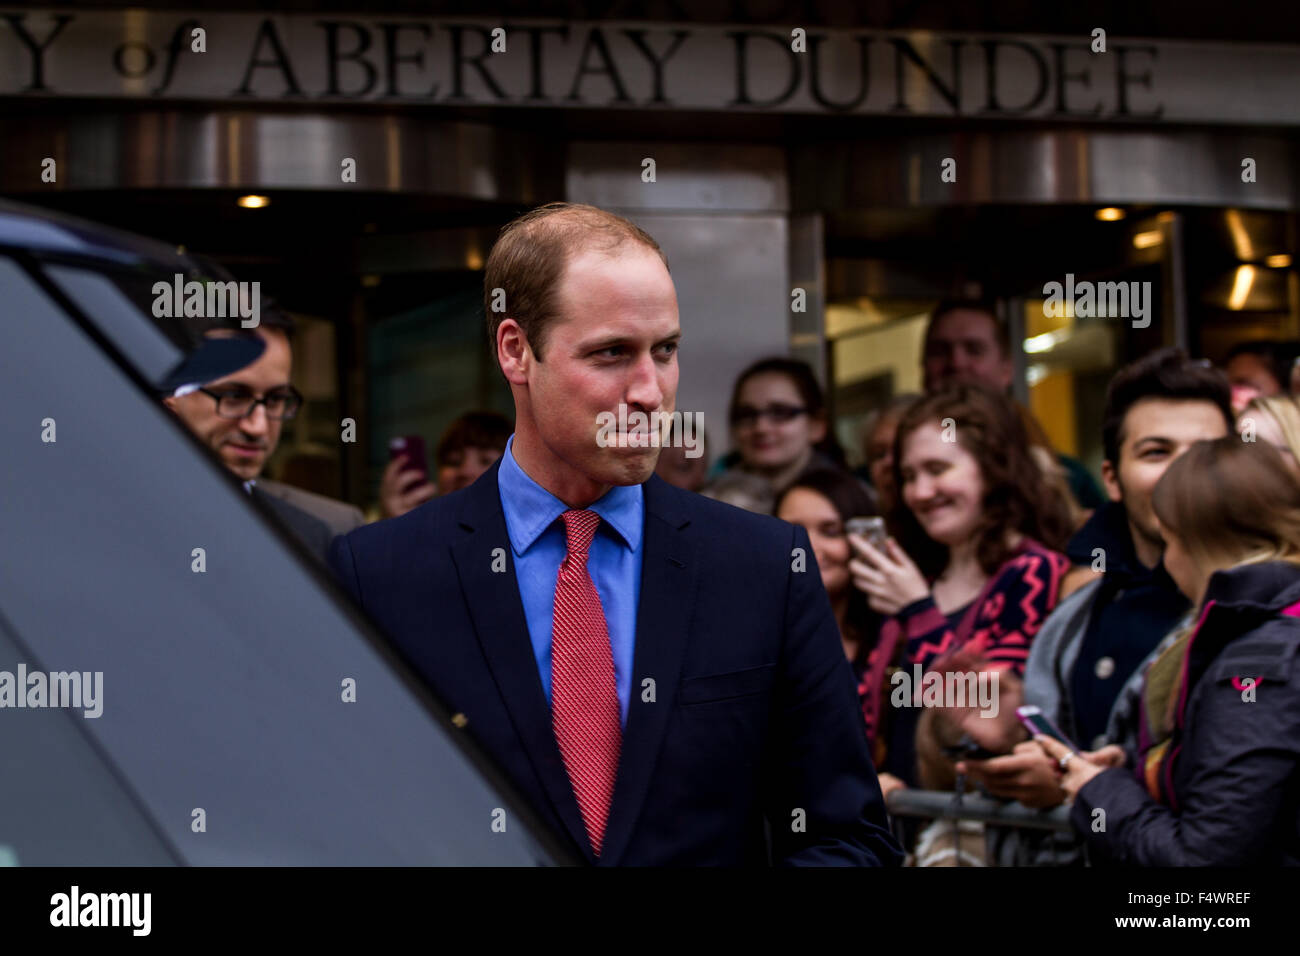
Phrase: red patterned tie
(584,698)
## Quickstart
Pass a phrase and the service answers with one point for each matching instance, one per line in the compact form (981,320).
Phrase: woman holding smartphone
(1215,780)
(974,565)
(823,501)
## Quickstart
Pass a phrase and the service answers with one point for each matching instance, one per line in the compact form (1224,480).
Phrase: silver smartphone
(873,529)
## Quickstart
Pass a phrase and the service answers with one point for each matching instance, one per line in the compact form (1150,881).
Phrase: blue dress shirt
(538,540)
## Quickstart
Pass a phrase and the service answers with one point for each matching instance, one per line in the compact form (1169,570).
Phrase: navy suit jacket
(743,705)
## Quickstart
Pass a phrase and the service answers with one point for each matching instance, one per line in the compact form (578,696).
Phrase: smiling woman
(967,483)
(778,422)
(975,568)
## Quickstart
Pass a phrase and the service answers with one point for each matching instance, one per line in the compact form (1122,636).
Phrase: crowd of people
(1006,557)
(1147,616)
(996,563)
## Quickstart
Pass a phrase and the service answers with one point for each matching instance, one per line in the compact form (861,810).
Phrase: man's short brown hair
(531,253)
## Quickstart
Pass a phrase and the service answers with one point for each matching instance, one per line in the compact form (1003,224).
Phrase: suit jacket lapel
(502,630)
(668,581)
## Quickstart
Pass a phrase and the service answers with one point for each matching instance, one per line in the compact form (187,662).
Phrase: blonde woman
(1215,779)
(1274,420)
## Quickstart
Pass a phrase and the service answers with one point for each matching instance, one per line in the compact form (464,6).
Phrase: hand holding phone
(405,484)
(410,447)
(889,577)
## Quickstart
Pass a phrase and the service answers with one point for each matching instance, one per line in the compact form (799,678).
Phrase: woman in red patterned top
(974,565)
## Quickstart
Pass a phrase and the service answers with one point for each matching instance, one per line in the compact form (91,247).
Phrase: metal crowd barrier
(1004,826)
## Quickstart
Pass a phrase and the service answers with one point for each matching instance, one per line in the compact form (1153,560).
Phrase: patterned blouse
(1007,615)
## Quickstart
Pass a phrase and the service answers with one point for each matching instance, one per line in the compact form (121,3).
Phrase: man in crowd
(581,613)
(1086,663)
(965,341)
(240,417)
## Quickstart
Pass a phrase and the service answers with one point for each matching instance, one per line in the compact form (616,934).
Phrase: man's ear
(514,354)
(817,430)
(1110,478)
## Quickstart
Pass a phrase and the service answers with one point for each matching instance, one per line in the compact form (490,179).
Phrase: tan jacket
(340,516)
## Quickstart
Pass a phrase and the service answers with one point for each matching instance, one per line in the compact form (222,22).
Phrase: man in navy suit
(661,675)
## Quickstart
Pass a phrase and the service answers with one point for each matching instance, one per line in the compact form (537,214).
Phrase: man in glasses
(240,417)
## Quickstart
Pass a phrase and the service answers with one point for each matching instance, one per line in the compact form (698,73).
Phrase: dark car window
(130,328)
(222,689)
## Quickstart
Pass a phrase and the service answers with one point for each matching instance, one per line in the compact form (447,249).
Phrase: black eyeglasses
(778,414)
(239,402)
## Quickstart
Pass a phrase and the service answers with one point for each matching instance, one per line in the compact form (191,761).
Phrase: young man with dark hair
(1086,663)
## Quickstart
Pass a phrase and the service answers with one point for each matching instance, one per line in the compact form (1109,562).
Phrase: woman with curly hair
(974,563)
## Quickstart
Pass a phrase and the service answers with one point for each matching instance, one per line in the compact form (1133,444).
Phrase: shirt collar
(1108,529)
(530,509)
(248,485)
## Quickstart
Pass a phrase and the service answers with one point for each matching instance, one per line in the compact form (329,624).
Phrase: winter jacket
(1232,779)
